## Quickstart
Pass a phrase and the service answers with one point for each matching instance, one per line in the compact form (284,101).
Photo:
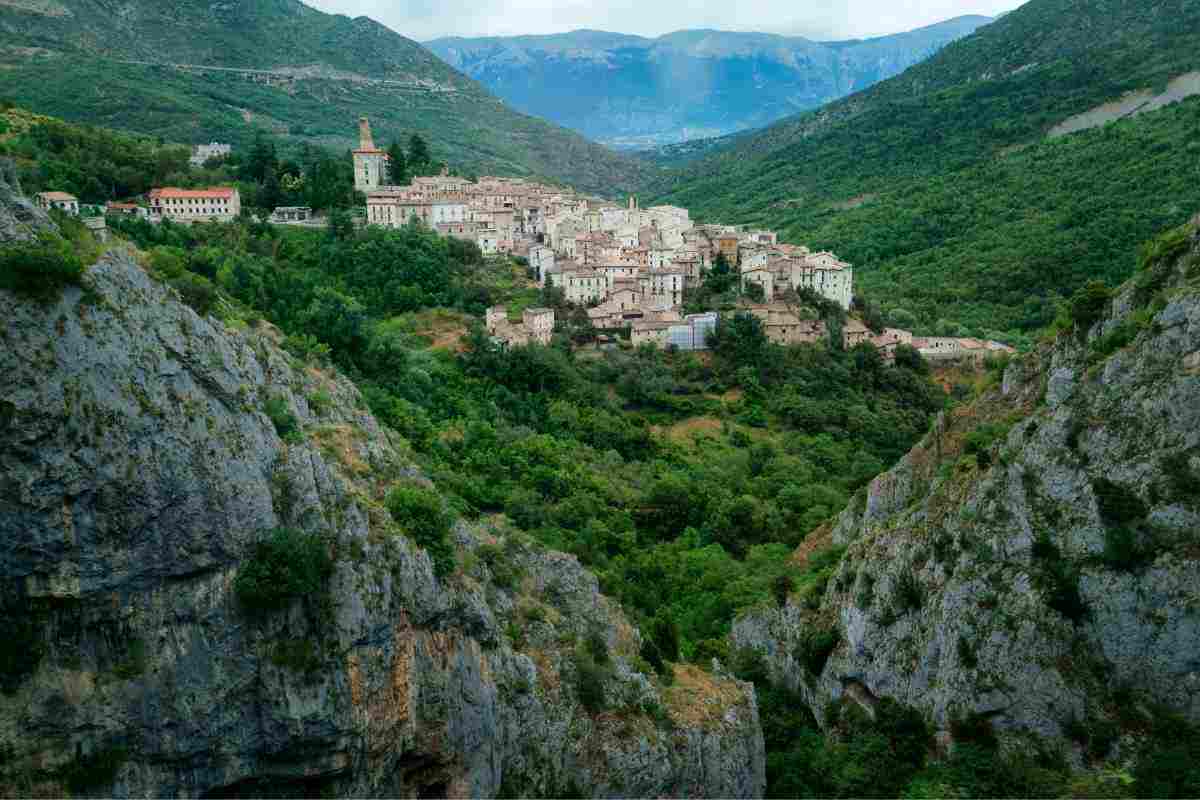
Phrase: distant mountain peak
(630,91)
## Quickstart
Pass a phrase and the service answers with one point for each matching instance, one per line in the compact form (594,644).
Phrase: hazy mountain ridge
(72,59)
(631,90)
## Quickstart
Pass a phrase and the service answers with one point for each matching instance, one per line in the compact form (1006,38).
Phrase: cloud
(817,19)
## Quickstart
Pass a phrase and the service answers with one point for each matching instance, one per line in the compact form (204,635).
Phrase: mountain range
(632,91)
(196,72)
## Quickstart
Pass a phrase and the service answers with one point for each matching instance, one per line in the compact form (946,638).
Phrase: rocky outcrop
(1035,560)
(137,471)
(19,218)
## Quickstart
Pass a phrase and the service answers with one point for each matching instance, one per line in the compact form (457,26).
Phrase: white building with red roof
(219,204)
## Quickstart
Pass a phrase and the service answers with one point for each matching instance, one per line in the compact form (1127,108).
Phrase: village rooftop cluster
(628,266)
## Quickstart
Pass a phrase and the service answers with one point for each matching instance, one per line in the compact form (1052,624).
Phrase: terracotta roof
(56,196)
(171,191)
(122,206)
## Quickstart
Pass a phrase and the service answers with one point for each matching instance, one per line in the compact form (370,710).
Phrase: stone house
(203,152)
(541,260)
(648,332)
(854,332)
(291,214)
(614,272)
(826,275)
(539,324)
(67,203)
(783,326)
(126,209)
(727,245)
(760,276)
(662,284)
(584,286)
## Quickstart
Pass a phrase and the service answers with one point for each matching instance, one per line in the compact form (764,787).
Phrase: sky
(817,19)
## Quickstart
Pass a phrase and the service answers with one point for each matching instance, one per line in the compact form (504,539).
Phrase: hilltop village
(630,267)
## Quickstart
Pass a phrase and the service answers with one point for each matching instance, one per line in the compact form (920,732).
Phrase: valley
(361,436)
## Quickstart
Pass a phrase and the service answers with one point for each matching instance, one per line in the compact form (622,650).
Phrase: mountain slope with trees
(633,91)
(195,72)
(940,184)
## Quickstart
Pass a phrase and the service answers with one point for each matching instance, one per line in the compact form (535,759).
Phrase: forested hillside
(941,187)
(632,91)
(196,72)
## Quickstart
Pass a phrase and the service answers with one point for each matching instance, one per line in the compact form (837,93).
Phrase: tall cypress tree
(418,154)
(397,164)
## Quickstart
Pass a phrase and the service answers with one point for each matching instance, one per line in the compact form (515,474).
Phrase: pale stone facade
(370,163)
(67,203)
(201,153)
(220,204)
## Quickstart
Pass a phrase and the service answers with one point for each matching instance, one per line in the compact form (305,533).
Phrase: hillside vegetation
(943,175)
(317,74)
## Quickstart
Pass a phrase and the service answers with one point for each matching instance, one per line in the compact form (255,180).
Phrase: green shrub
(590,680)
(1059,578)
(1169,766)
(95,770)
(285,422)
(909,594)
(21,647)
(40,269)
(1123,548)
(1118,505)
(319,402)
(196,292)
(298,655)
(1088,305)
(979,442)
(134,662)
(1184,481)
(966,653)
(975,728)
(781,587)
(285,565)
(421,514)
(816,647)
(597,647)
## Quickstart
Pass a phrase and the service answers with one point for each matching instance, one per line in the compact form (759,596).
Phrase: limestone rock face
(1037,579)
(138,469)
(19,218)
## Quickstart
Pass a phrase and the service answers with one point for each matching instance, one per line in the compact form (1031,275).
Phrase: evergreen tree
(261,160)
(397,164)
(418,154)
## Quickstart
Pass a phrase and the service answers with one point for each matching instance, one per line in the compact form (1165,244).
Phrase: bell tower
(370,163)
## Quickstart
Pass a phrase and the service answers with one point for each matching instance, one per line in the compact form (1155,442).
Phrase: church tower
(370,163)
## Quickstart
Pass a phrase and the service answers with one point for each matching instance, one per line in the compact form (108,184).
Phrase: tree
(418,154)
(397,164)
(261,160)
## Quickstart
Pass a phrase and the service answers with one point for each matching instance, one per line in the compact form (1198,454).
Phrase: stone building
(854,332)
(784,326)
(203,152)
(536,326)
(67,203)
(539,324)
(584,286)
(370,163)
(218,204)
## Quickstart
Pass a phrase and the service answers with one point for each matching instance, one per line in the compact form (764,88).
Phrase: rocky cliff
(138,471)
(1034,563)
